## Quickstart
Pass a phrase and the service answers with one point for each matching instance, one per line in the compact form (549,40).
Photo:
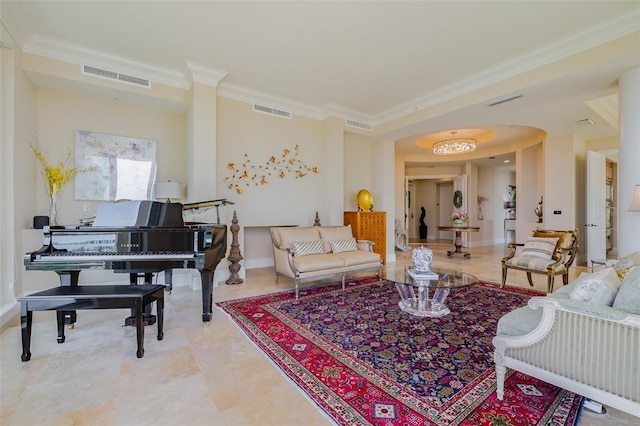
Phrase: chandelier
(454,145)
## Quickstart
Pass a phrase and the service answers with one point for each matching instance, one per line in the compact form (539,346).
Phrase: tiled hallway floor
(200,374)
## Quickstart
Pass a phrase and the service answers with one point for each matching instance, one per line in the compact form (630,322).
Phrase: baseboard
(10,315)
(264,262)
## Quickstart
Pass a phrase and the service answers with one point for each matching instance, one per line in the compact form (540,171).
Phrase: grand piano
(135,237)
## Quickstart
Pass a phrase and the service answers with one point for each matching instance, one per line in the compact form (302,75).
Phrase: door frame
(407,210)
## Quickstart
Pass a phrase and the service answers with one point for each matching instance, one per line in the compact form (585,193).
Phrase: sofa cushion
(598,288)
(307,247)
(297,234)
(540,247)
(354,258)
(628,297)
(535,263)
(317,262)
(334,233)
(340,246)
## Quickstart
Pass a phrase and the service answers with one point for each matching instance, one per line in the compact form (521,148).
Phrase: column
(201,133)
(629,158)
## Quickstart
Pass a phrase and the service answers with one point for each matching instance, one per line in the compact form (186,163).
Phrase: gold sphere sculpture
(365,200)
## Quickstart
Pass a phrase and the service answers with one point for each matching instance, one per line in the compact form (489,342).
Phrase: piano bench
(68,298)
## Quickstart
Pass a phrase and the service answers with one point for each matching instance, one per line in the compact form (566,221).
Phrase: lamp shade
(168,190)
(635,201)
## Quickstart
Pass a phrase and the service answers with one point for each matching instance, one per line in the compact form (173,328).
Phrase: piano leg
(168,280)
(69,278)
(207,294)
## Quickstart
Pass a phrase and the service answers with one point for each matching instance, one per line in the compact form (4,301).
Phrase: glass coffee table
(424,296)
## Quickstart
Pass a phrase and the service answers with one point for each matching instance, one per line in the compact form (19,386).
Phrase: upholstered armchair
(548,252)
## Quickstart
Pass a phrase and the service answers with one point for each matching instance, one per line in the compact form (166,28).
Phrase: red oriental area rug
(364,361)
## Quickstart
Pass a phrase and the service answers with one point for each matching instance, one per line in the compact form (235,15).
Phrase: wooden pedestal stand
(234,253)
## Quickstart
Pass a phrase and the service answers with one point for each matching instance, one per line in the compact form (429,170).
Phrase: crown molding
(574,44)
(591,37)
(252,96)
(64,51)
(203,74)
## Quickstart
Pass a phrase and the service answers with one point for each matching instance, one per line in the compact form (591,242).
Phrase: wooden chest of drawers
(367,225)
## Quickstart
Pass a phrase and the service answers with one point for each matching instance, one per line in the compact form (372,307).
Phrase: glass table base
(417,300)
(426,308)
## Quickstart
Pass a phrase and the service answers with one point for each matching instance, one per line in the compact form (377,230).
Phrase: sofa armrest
(606,313)
(365,245)
(512,247)
(283,262)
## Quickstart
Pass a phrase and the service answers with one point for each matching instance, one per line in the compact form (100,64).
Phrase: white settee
(584,337)
(311,253)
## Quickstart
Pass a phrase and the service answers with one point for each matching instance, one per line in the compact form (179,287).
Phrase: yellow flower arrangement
(57,175)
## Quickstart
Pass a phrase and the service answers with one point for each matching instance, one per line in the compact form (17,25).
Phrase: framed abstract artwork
(123,168)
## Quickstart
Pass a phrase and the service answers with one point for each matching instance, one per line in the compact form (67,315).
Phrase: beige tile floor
(200,374)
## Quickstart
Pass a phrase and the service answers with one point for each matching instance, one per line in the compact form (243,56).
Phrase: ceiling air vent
(115,76)
(501,101)
(271,111)
(357,125)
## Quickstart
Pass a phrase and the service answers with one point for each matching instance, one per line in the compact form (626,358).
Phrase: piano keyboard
(114,257)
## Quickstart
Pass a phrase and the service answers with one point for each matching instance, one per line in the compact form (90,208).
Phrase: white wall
(358,174)
(247,138)
(17,185)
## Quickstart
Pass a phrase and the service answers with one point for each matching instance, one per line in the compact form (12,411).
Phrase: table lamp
(168,190)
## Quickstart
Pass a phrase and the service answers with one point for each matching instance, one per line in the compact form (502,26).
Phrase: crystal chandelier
(454,145)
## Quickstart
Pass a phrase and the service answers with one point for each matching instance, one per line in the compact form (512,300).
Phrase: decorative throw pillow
(540,247)
(599,288)
(623,267)
(334,233)
(344,245)
(628,298)
(565,239)
(307,247)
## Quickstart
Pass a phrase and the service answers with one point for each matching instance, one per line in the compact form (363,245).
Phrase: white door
(409,222)
(460,184)
(596,231)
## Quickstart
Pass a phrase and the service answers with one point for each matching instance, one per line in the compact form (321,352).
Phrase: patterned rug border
(330,402)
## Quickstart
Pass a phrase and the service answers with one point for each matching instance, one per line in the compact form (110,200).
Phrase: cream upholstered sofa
(311,253)
(584,337)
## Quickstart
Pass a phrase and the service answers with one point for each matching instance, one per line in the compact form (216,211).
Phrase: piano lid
(139,213)
(205,204)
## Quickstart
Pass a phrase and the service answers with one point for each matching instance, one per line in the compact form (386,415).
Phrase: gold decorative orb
(365,200)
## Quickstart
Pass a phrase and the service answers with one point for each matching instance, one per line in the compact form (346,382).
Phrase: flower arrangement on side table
(57,176)
(459,218)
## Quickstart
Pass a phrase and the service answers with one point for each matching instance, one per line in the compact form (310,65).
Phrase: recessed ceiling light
(507,161)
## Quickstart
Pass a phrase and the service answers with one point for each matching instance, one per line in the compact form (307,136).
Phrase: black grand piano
(135,237)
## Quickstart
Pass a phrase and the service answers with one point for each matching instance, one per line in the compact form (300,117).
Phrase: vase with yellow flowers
(57,175)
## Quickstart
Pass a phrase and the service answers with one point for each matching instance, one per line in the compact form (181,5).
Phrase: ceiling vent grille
(115,76)
(271,111)
(501,101)
(358,125)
